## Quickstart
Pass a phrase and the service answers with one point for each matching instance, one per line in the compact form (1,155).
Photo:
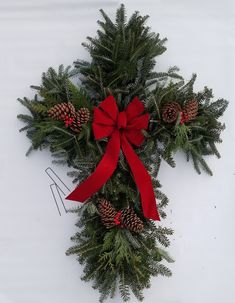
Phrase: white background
(33,237)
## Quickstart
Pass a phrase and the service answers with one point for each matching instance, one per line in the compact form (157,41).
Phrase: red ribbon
(123,129)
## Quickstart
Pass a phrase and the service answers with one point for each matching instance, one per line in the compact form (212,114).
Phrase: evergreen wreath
(117,241)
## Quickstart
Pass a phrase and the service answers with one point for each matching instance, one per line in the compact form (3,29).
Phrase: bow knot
(124,130)
(122,120)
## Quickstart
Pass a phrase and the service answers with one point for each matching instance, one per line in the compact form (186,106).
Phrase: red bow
(123,128)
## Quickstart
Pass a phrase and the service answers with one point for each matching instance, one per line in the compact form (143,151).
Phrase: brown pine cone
(83,115)
(107,213)
(76,125)
(62,111)
(170,112)
(190,110)
(131,221)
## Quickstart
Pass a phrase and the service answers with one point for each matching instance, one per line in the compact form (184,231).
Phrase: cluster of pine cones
(73,119)
(125,218)
(172,110)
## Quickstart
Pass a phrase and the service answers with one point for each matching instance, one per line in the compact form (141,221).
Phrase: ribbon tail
(142,180)
(102,173)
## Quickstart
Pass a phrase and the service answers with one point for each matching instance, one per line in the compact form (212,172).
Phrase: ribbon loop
(124,129)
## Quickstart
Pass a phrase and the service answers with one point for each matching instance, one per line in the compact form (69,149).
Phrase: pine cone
(76,125)
(131,221)
(190,110)
(126,218)
(107,213)
(170,112)
(83,115)
(62,111)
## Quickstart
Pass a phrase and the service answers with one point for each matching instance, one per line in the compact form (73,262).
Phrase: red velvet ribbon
(124,130)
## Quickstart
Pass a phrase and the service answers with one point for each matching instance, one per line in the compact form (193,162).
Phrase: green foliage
(196,138)
(123,58)
(67,146)
(118,258)
(54,84)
